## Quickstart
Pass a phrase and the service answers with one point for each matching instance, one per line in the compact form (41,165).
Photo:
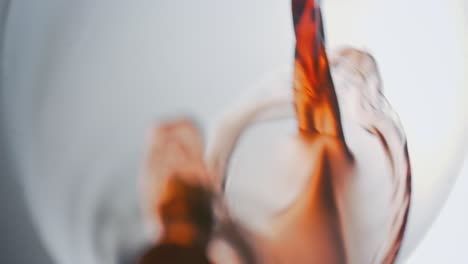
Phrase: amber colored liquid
(318,113)
(315,98)
(309,231)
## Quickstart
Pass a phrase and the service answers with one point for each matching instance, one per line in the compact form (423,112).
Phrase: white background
(447,240)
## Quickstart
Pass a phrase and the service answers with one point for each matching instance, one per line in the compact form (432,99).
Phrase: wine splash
(318,111)
(314,227)
(359,86)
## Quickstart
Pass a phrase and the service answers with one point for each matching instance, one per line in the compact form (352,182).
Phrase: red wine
(317,227)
